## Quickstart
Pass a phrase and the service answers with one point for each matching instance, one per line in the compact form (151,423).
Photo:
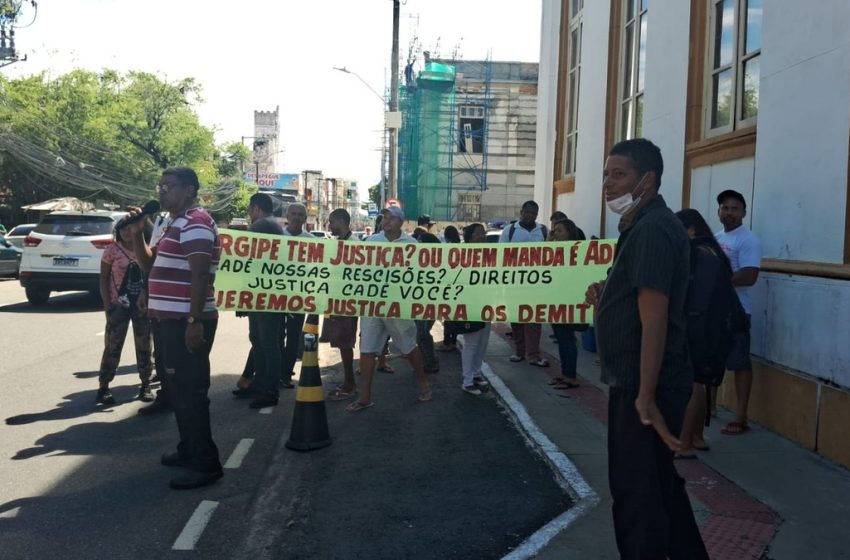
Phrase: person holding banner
(374,330)
(424,338)
(641,337)
(293,323)
(264,328)
(526,336)
(342,331)
(565,334)
(476,334)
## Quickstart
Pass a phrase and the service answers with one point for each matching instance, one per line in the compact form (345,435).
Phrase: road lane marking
(239,453)
(188,538)
(267,410)
(568,475)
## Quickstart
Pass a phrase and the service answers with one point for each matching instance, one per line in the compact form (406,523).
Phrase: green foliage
(231,159)
(375,194)
(106,136)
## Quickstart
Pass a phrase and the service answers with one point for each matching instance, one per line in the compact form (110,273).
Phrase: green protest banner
(494,282)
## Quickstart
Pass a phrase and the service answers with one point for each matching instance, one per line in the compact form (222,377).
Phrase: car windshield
(75,225)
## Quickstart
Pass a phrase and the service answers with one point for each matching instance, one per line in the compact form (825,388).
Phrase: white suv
(63,253)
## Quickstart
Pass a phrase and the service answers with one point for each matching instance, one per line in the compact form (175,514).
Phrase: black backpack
(132,285)
(713,311)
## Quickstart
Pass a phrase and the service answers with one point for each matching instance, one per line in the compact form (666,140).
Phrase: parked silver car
(10,258)
(18,233)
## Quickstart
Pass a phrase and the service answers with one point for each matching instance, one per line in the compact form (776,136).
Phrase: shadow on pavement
(71,302)
(451,478)
(122,370)
(120,488)
(76,405)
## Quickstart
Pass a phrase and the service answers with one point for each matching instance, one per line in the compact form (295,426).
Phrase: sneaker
(479,380)
(516,358)
(104,396)
(472,390)
(145,394)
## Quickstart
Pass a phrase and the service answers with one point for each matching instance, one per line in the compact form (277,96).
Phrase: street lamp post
(393,143)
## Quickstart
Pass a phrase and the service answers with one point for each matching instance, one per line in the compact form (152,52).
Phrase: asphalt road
(446,479)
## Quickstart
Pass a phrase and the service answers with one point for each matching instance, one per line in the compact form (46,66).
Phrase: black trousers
(653,518)
(291,328)
(187,375)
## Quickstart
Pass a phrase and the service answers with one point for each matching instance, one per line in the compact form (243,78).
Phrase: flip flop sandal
(734,429)
(539,363)
(339,394)
(426,396)
(558,381)
(357,406)
(386,369)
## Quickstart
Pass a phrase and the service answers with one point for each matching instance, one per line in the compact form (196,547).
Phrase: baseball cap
(394,211)
(425,220)
(729,193)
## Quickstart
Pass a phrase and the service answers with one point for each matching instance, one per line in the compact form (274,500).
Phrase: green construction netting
(426,143)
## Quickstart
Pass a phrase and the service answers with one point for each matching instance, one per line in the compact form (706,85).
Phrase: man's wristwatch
(192,320)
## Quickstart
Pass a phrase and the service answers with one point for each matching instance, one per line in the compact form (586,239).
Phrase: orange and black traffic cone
(309,419)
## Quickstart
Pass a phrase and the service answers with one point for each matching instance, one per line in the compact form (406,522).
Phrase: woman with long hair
(565,335)
(710,268)
(476,335)
(451,235)
(122,290)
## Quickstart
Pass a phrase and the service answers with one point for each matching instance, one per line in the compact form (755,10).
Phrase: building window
(734,57)
(471,129)
(634,68)
(573,79)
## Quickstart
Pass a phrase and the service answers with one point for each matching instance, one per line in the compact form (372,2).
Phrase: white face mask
(623,204)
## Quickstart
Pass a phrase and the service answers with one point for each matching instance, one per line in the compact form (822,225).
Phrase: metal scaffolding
(444,138)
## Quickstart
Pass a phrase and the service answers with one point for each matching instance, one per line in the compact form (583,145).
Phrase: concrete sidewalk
(755,496)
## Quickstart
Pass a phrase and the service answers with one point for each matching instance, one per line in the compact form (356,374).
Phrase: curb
(566,473)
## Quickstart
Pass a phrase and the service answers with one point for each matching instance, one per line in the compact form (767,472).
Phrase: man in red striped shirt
(181,302)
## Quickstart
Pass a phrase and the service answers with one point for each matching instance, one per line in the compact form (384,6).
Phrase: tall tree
(101,135)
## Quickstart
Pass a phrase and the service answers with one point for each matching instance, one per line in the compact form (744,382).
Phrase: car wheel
(37,296)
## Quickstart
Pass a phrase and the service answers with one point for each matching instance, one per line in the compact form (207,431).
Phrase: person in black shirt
(640,330)
(264,328)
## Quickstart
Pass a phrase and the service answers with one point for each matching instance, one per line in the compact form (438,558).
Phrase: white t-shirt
(304,233)
(522,235)
(744,251)
(381,237)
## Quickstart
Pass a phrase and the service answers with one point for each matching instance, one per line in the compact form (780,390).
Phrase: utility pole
(393,163)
